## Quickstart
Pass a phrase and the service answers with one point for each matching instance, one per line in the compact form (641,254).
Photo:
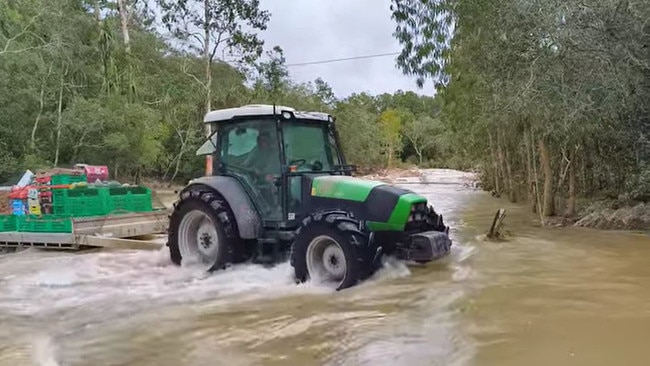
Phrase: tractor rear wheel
(331,249)
(202,231)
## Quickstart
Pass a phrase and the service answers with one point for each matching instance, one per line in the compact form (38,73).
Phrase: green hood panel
(343,187)
(400,214)
(383,206)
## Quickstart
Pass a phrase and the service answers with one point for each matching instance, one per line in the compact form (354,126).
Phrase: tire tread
(346,225)
(218,207)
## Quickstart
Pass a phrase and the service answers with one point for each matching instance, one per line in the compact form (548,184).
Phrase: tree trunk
(32,143)
(97,11)
(500,167)
(538,206)
(208,78)
(512,194)
(179,157)
(40,109)
(571,203)
(58,122)
(124,17)
(529,167)
(494,165)
(418,151)
(506,171)
(548,208)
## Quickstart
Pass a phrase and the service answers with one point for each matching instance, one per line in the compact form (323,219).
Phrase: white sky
(315,30)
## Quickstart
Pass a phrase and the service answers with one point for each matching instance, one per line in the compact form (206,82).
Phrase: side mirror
(209,147)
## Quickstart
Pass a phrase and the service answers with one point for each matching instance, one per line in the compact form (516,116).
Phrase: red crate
(43,179)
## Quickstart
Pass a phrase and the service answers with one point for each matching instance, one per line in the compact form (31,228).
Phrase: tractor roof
(221,115)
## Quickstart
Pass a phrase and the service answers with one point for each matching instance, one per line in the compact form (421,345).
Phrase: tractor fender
(247,218)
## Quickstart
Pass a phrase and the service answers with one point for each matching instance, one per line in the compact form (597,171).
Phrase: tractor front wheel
(331,249)
(201,231)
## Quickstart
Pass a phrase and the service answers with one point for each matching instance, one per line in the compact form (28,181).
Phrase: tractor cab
(268,149)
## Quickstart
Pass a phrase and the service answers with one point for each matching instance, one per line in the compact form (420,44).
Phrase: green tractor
(281,190)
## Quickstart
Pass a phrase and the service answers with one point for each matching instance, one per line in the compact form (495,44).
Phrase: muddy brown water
(548,297)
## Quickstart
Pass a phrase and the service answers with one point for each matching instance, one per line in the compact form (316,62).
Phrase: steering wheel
(317,166)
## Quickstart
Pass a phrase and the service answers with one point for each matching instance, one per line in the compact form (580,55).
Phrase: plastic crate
(7,223)
(99,201)
(46,179)
(130,199)
(80,202)
(18,207)
(44,224)
(58,179)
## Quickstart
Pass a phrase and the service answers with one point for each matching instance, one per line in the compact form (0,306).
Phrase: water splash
(44,351)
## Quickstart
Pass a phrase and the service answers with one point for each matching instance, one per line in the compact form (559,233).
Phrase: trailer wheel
(202,231)
(331,249)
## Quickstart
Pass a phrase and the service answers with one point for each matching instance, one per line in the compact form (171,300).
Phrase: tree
(325,93)
(554,88)
(390,125)
(422,132)
(207,26)
(273,74)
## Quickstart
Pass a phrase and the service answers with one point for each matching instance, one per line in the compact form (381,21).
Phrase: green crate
(81,207)
(99,201)
(67,179)
(44,224)
(130,199)
(7,223)
(80,202)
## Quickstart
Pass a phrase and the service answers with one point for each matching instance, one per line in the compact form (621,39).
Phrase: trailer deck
(111,231)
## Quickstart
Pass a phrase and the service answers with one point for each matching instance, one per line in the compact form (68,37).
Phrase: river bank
(592,213)
(602,214)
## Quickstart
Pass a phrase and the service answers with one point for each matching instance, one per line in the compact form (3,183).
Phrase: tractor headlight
(418,211)
(419,207)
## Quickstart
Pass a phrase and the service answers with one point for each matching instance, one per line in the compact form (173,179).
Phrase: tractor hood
(384,206)
(343,187)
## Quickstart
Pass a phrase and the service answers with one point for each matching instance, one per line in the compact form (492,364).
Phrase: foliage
(73,91)
(390,125)
(205,27)
(549,98)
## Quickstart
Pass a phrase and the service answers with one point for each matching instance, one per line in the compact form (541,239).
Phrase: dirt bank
(607,215)
(610,215)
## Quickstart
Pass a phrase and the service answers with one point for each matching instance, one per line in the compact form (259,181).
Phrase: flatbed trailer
(111,231)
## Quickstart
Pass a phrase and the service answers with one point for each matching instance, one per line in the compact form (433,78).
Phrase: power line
(343,59)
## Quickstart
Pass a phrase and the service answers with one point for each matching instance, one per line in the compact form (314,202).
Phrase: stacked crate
(50,185)
(8,223)
(62,197)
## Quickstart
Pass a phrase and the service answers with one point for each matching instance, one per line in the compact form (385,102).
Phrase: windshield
(310,146)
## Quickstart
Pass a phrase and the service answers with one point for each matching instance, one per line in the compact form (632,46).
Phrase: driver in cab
(265,157)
